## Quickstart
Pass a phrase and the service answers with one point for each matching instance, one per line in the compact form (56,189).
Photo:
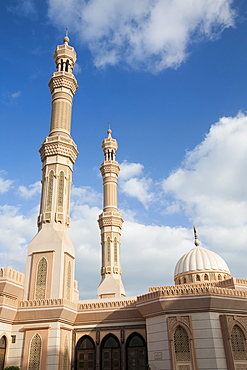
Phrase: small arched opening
(3,344)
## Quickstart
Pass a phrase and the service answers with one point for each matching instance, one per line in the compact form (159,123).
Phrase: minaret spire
(50,264)
(196,242)
(110,223)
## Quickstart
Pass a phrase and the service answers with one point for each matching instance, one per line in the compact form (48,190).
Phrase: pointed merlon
(197,243)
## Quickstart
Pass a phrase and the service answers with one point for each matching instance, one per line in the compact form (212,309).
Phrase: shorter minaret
(110,223)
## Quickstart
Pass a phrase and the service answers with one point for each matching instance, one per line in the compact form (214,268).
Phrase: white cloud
(77,69)
(131,185)
(16,232)
(5,185)
(144,34)
(24,7)
(129,170)
(210,187)
(15,95)
(211,183)
(28,192)
(138,188)
(85,195)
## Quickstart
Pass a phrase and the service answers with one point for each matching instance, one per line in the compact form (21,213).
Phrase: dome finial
(197,243)
(66,38)
(109,131)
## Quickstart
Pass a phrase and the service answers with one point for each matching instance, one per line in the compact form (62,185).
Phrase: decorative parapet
(8,300)
(172,287)
(7,273)
(233,282)
(106,305)
(190,290)
(48,302)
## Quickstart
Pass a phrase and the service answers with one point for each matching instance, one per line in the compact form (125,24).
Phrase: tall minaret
(110,223)
(50,263)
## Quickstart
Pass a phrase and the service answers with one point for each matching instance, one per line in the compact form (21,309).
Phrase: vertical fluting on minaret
(110,223)
(58,151)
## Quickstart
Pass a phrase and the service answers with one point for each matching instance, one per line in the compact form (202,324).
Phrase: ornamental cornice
(110,221)
(106,305)
(110,167)
(191,290)
(58,147)
(47,303)
(60,79)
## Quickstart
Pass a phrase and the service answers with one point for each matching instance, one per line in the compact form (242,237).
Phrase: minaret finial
(197,243)
(109,131)
(66,38)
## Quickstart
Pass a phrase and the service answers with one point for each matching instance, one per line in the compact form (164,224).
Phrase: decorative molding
(58,147)
(190,290)
(48,303)
(106,305)
(7,273)
(67,81)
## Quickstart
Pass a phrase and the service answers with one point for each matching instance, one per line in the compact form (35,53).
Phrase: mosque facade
(199,323)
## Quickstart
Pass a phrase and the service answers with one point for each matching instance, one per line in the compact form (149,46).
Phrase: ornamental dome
(200,264)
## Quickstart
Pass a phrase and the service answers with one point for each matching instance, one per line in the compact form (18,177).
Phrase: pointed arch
(110,353)
(115,252)
(136,351)
(238,344)
(50,191)
(60,196)
(108,251)
(68,282)
(3,345)
(41,279)
(181,344)
(35,353)
(66,354)
(85,353)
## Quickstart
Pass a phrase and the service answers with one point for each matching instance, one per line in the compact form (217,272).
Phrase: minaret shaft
(51,255)
(110,223)
(58,151)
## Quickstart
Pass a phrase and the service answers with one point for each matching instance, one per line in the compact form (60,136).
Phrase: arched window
(110,353)
(198,278)
(60,192)
(108,251)
(184,280)
(181,345)
(85,354)
(115,252)
(238,344)
(41,276)
(136,352)
(35,353)
(206,277)
(66,354)
(3,343)
(68,285)
(50,191)
(219,277)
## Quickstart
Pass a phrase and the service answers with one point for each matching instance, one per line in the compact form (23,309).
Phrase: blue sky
(171,79)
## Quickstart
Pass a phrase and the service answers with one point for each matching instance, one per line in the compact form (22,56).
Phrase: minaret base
(111,287)
(50,265)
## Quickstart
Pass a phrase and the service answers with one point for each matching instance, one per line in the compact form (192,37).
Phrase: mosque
(199,323)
